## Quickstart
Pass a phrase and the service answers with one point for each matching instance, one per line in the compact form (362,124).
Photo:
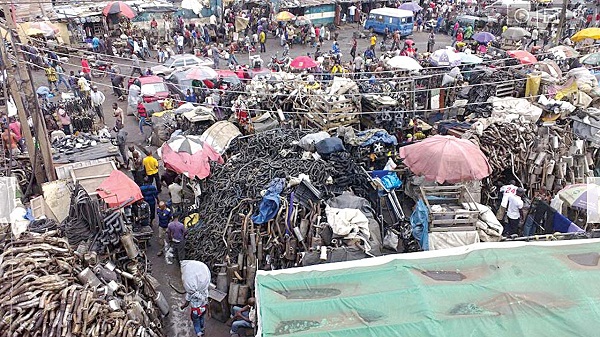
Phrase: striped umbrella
(119,7)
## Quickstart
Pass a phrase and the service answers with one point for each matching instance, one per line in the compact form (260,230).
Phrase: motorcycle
(278,64)
(98,67)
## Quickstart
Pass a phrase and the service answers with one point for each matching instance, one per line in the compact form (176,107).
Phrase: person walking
(176,233)
(150,195)
(145,48)
(215,55)
(61,77)
(164,215)
(262,38)
(119,115)
(121,143)
(135,64)
(85,69)
(175,191)
(97,98)
(513,212)
(136,165)
(198,302)
(51,77)
(151,167)
(535,35)
(354,44)
(431,42)
(143,116)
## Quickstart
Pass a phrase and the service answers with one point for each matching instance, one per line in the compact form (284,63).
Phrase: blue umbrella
(484,37)
(410,6)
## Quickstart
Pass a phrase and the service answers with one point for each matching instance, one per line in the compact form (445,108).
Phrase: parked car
(180,62)
(178,84)
(152,88)
(543,17)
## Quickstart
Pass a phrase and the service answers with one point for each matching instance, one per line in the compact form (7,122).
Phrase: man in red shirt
(588,20)
(10,141)
(15,127)
(85,68)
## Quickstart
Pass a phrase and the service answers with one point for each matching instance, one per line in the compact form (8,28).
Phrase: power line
(329,114)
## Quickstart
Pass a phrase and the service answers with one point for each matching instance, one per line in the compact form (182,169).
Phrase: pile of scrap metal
(106,278)
(284,198)
(84,146)
(542,158)
(55,291)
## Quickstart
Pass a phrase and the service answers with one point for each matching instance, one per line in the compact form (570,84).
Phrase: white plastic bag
(169,256)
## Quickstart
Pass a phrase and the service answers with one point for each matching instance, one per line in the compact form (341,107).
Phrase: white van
(507,7)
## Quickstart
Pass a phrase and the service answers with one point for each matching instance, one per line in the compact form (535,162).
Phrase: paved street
(178,322)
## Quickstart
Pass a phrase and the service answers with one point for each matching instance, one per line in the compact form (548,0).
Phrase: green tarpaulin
(498,289)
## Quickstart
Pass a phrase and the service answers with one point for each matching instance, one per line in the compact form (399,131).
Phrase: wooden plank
(437,223)
(453,229)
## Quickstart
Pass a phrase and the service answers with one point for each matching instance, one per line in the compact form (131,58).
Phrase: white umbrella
(470,58)
(195,5)
(201,73)
(404,62)
(444,57)
(188,144)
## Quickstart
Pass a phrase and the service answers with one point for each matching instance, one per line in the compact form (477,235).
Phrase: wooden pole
(13,88)
(23,93)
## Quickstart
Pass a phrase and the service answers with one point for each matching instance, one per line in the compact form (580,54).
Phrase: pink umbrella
(189,155)
(446,159)
(303,62)
(523,56)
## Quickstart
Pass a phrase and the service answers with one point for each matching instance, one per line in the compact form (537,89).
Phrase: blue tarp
(389,179)
(419,221)
(270,203)
(379,137)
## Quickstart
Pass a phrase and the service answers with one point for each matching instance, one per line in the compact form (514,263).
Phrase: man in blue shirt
(190,97)
(176,232)
(96,44)
(150,194)
(164,217)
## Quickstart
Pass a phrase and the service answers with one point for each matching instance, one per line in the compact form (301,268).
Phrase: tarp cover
(486,289)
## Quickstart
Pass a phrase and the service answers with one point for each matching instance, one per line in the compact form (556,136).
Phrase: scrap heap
(101,289)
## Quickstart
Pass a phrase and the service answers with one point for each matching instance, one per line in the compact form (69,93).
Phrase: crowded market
(228,168)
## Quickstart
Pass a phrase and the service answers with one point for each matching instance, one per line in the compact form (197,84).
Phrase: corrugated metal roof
(304,3)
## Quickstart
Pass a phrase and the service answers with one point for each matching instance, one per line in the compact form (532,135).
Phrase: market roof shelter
(499,289)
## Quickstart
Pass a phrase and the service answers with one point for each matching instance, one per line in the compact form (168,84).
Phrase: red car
(152,88)
(230,80)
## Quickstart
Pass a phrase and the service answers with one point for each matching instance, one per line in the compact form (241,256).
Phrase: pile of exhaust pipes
(102,287)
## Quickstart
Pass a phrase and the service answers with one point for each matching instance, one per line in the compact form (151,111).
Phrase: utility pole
(562,22)
(12,87)
(23,93)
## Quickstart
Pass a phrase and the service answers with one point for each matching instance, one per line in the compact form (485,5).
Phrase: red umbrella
(303,62)
(119,188)
(116,7)
(523,56)
(446,159)
(189,155)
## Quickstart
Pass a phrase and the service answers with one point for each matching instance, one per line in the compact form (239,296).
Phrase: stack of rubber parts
(67,145)
(55,292)
(42,225)
(84,219)
(254,161)
(112,228)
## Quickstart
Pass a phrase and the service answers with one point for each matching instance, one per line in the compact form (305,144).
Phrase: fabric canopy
(446,159)
(119,188)
(303,62)
(189,155)
(487,289)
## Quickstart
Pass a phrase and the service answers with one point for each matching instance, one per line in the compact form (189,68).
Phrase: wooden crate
(455,217)
(329,115)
